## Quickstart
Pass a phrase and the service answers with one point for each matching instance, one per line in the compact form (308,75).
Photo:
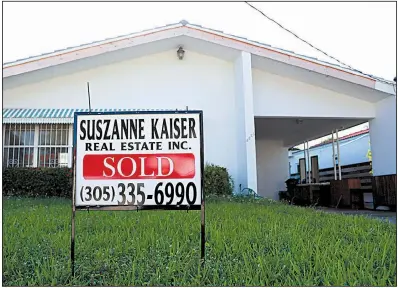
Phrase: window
(44,145)
(53,144)
(18,145)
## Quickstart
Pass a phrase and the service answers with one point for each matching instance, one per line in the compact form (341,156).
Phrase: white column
(246,140)
(338,153)
(383,137)
(334,157)
(309,163)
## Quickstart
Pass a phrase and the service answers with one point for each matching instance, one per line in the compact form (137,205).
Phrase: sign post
(138,161)
(72,242)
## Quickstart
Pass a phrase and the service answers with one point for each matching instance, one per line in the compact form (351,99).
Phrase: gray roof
(184,22)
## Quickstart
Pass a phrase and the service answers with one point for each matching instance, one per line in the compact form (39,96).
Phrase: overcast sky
(362,35)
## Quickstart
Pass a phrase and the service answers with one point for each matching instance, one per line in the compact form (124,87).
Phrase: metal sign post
(72,241)
(202,214)
(134,161)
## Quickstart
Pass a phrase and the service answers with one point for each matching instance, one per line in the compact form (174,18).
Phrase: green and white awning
(62,116)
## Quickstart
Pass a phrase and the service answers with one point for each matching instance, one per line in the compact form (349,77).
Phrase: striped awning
(63,116)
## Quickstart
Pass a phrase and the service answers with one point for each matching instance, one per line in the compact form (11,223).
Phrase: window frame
(19,147)
(49,147)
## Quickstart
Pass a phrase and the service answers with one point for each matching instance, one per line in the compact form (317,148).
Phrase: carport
(275,135)
(292,105)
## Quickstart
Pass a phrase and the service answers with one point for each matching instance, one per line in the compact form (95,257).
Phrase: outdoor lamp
(180,53)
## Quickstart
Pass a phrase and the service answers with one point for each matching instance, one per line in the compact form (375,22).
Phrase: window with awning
(42,137)
(38,137)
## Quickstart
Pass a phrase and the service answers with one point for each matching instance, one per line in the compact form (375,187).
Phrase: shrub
(37,182)
(217,180)
(369,156)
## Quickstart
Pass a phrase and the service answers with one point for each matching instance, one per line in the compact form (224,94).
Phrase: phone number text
(135,194)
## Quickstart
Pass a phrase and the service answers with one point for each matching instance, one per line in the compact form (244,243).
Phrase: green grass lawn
(258,243)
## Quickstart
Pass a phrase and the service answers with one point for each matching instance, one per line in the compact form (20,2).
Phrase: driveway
(382,215)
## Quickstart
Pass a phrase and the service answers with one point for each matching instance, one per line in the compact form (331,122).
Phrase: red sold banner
(139,166)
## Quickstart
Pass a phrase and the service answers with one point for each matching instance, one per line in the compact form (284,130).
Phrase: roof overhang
(200,33)
(286,130)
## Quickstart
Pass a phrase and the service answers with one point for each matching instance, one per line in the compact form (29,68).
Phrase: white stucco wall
(272,167)
(291,98)
(159,81)
(352,151)
(383,137)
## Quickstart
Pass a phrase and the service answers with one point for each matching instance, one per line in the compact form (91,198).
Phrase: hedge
(50,182)
(35,182)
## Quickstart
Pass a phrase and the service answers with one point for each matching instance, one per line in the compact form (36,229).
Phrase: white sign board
(147,159)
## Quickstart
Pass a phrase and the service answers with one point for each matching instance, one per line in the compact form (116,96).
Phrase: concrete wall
(272,167)
(291,98)
(352,151)
(159,81)
(383,137)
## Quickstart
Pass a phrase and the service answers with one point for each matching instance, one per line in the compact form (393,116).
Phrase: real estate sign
(139,159)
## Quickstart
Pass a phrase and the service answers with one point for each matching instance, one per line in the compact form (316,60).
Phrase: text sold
(139,166)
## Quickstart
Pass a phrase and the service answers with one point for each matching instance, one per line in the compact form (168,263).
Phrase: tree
(369,155)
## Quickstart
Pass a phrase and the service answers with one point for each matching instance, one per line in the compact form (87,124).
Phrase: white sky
(362,35)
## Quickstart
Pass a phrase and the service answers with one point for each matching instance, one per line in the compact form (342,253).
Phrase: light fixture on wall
(180,53)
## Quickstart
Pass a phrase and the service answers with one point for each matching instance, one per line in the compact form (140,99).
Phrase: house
(354,148)
(257,100)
